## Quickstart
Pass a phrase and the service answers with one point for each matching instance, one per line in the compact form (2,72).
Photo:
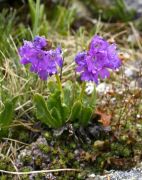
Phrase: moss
(98,144)
(38,161)
(3,177)
(54,151)
(3,164)
(40,176)
(22,133)
(44,148)
(120,150)
(10,168)
(79,176)
(72,145)
(126,152)
(24,136)
(70,156)
(123,138)
(137,148)
(25,177)
(76,163)
(48,136)
(61,162)
(26,159)
(25,169)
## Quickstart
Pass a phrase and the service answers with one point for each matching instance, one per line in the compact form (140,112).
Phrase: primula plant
(69,102)
(6,115)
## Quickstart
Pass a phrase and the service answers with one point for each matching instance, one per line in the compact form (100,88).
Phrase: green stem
(95,92)
(94,96)
(82,90)
(59,85)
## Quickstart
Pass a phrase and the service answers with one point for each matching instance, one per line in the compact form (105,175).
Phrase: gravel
(133,174)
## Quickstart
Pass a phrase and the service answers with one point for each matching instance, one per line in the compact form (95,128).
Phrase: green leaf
(32,9)
(68,93)
(42,111)
(57,117)
(59,21)
(65,111)
(6,116)
(54,101)
(90,100)
(75,111)
(36,13)
(52,86)
(86,114)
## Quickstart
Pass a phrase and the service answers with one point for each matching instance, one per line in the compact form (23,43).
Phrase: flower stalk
(60,86)
(82,90)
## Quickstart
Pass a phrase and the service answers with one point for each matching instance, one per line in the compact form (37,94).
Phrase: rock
(133,38)
(60,131)
(125,10)
(128,72)
(81,9)
(103,88)
(130,4)
(137,5)
(99,144)
(89,88)
(91,175)
(133,174)
(132,72)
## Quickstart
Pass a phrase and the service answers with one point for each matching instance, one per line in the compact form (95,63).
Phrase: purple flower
(94,63)
(39,42)
(44,63)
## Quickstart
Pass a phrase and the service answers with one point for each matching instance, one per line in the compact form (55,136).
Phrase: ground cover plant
(65,114)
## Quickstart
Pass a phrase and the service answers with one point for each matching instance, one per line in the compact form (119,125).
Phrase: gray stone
(130,4)
(134,4)
(133,174)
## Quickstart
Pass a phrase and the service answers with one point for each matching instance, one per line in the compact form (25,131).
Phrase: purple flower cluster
(43,62)
(94,63)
